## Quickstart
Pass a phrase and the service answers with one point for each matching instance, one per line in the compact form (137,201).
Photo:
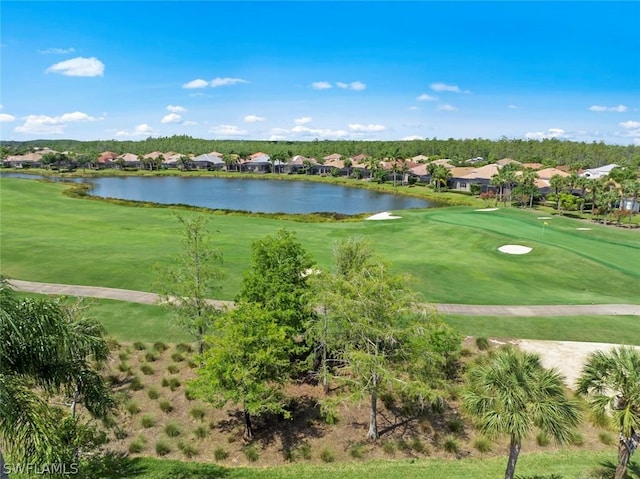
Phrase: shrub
(139,345)
(389,447)
(172,430)
(177,357)
(455,425)
(162,448)
(418,446)
(451,445)
(251,453)
(357,450)
(187,449)
(220,454)
(542,439)
(132,407)
(153,393)
(605,438)
(201,432)
(147,421)
(136,384)
(577,439)
(123,356)
(136,446)
(327,456)
(165,405)
(160,347)
(146,370)
(120,433)
(482,444)
(403,445)
(198,413)
(184,348)
(124,367)
(113,379)
(150,356)
(189,394)
(173,369)
(165,382)
(191,364)
(174,383)
(482,343)
(305,450)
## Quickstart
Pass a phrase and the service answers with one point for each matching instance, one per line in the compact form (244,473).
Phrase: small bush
(132,407)
(139,345)
(187,449)
(146,370)
(197,413)
(482,343)
(172,430)
(482,444)
(165,405)
(165,382)
(124,367)
(466,353)
(403,445)
(305,450)
(153,393)
(189,394)
(113,379)
(173,369)
(251,453)
(177,357)
(147,421)
(577,439)
(542,439)
(455,425)
(123,356)
(451,445)
(201,432)
(418,446)
(162,448)
(174,383)
(136,384)
(151,356)
(184,348)
(120,434)
(357,450)
(605,438)
(389,447)
(220,454)
(160,347)
(191,364)
(327,456)
(136,446)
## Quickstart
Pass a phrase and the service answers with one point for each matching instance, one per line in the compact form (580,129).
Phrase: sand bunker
(514,249)
(488,209)
(385,215)
(583,229)
(545,217)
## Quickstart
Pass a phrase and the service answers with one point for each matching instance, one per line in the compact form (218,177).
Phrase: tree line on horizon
(550,152)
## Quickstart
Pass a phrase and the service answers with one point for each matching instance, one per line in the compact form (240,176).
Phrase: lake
(260,196)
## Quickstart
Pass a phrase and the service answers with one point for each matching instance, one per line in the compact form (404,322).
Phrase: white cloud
(447,108)
(321,85)
(227,130)
(303,120)
(171,118)
(412,137)
(550,133)
(630,124)
(141,130)
(216,82)
(425,97)
(198,83)
(176,109)
(619,108)
(448,88)
(512,107)
(355,85)
(277,138)
(253,118)
(79,67)
(370,127)
(44,124)
(414,108)
(190,123)
(4,117)
(318,132)
(57,51)
(631,130)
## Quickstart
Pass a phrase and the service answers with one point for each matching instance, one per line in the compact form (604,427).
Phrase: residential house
(106,160)
(597,173)
(129,160)
(259,163)
(420,159)
(29,160)
(463,177)
(508,161)
(208,161)
(299,163)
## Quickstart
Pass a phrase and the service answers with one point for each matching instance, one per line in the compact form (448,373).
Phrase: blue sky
(301,70)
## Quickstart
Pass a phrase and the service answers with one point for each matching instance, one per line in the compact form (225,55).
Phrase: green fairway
(451,252)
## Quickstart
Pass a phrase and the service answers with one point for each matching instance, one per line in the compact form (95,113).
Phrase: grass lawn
(451,252)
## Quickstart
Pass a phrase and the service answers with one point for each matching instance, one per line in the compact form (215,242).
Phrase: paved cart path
(462,309)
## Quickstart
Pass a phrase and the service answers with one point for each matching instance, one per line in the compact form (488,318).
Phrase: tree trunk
(514,451)
(248,429)
(74,401)
(373,412)
(3,473)
(623,460)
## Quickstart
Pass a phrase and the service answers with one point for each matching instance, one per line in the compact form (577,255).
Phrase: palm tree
(611,383)
(348,163)
(558,183)
(439,175)
(511,393)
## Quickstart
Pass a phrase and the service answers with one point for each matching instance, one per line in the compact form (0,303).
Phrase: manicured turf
(452,252)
